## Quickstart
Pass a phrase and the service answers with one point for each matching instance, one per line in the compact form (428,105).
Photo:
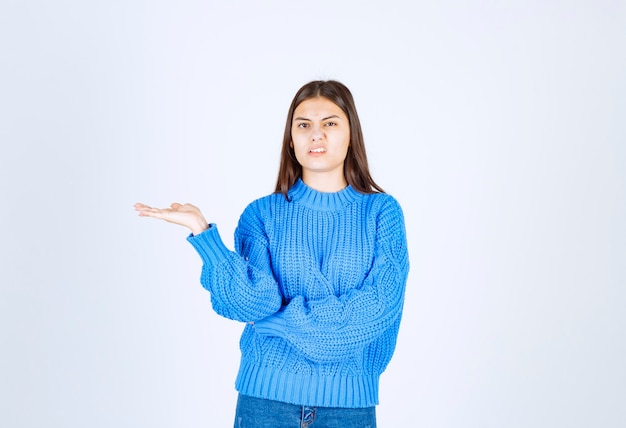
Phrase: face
(320,136)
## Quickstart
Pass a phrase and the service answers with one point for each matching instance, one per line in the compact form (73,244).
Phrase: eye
(303,125)
(330,124)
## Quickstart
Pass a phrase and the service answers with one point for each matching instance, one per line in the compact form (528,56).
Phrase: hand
(185,215)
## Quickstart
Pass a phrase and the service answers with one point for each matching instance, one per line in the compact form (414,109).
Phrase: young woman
(318,274)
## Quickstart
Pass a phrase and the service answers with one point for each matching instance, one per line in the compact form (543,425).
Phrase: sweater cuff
(209,245)
(274,325)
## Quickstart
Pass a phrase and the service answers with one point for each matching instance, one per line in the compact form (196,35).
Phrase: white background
(498,125)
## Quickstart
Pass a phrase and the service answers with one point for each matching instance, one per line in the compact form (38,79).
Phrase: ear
(291,144)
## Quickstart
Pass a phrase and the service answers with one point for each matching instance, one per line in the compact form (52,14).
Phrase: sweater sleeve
(241,283)
(336,327)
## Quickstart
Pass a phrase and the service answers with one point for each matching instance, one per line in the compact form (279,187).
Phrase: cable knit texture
(322,278)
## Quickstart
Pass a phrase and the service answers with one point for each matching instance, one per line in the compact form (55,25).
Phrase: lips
(318,150)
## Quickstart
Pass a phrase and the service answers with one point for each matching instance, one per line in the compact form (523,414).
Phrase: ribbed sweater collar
(322,201)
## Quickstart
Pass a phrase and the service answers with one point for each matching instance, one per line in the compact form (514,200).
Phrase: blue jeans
(260,413)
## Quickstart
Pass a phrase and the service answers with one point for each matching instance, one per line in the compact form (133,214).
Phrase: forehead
(317,107)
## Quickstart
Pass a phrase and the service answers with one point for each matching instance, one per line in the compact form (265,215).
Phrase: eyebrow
(334,116)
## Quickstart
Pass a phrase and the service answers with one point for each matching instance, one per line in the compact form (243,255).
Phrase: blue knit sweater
(322,278)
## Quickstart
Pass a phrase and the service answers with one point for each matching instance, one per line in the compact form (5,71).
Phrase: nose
(316,134)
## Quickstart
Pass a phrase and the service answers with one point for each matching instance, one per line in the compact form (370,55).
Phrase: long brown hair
(355,167)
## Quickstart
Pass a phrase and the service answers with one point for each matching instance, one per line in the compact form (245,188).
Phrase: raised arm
(242,286)
(241,282)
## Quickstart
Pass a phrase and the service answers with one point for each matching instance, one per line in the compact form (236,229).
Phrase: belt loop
(308,416)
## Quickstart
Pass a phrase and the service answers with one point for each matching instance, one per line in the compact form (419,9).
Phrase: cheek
(347,141)
(298,150)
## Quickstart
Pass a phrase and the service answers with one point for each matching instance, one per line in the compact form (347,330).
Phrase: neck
(325,182)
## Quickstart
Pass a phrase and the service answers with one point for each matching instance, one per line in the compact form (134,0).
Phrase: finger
(190,208)
(175,205)
(147,208)
(153,212)
(139,206)
(146,212)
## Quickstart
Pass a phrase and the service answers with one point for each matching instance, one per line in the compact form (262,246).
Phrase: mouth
(318,150)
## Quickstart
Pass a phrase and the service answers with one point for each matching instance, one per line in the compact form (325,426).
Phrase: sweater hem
(342,391)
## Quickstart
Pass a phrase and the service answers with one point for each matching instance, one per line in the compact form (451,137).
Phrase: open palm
(187,215)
